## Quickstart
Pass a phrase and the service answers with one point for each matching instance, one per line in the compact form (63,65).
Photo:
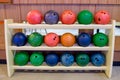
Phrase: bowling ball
(51,17)
(21,58)
(98,59)
(102,17)
(19,39)
(82,59)
(68,17)
(68,39)
(51,39)
(34,17)
(100,39)
(85,17)
(84,39)
(36,58)
(51,59)
(67,59)
(35,39)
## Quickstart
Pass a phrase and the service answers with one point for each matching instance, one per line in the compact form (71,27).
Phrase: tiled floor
(58,76)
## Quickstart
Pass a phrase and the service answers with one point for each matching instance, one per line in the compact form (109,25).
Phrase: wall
(66,1)
(20,8)
(18,11)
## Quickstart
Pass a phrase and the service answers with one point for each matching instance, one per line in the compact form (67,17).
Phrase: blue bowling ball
(84,39)
(67,59)
(98,59)
(19,39)
(51,59)
(51,17)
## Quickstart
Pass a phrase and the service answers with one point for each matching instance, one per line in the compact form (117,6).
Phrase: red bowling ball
(68,17)
(34,17)
(51,39)
(102,17)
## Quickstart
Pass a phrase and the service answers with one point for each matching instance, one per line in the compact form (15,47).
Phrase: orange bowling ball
(68,39)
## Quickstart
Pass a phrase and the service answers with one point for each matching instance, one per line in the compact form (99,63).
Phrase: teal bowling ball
(100,39)
(36,58)
(35,39)
(85,17)
(82,59)
(21,58)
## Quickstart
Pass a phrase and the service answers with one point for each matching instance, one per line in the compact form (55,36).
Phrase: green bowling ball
(100,39)
(36,58)
(35,39)
(21,58)
(85,17)
(82,59)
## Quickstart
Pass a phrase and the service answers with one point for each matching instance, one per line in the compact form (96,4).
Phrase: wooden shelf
(59,68)
(59,47)
(58,26)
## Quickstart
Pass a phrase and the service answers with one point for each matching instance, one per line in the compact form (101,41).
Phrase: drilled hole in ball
(82,58)
(103,12)
(54,38)
(83,35)
(54,14)
(70,13)
(101,39)
(99,19)
(96,59)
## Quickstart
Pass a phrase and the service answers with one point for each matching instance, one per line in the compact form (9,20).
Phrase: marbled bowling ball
(51,17)
(98,59)
(35,39)
(67,59)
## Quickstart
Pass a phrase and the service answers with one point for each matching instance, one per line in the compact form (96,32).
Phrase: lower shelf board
(59,67)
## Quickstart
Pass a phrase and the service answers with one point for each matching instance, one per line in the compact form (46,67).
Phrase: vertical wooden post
(9,53)
(110,53)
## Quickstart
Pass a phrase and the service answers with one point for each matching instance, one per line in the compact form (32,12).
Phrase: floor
(58,76)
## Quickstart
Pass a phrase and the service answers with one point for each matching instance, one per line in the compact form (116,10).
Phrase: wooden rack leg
(10,63)
(9,53)
(108,71)
(110,53)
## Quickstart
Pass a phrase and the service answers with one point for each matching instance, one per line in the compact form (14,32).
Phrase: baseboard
(3,61)
(115,63)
